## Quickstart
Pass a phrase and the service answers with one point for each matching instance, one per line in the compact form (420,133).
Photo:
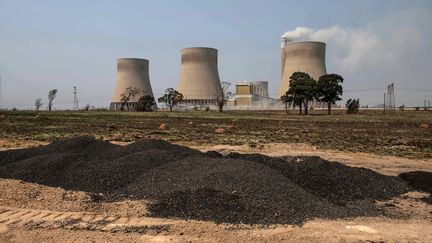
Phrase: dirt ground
(35,213)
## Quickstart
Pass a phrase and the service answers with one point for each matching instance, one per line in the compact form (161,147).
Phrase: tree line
(328,89)
(302,90)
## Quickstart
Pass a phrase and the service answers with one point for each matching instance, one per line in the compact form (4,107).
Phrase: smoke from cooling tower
(354,49)
(298,34)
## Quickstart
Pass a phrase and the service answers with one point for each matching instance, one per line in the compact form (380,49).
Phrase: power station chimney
(308,57)
(199,77)
(131,72)
(284,42)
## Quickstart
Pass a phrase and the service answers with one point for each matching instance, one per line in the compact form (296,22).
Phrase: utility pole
(384,102)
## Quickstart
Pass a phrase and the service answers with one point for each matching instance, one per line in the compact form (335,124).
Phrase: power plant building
(134,73)
(248,92)
(199,77)
(308,57)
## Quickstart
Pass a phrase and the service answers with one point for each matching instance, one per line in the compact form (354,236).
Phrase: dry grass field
(404,134)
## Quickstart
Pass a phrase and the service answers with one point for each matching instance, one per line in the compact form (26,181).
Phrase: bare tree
(51,96)
(222,97)
(38,103)
(128,95)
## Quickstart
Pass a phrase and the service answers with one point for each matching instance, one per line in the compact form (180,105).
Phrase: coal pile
(185,183)
(420,180)
(189,204)
(331,180)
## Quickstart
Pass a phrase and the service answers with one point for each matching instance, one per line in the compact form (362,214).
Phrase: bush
(352,106)
(146,103)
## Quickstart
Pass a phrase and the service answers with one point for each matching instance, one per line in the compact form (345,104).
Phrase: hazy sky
(60,44)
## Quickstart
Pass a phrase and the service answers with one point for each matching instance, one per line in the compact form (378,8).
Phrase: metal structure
(308,57)
(131,73)
(390,103)
(76,107)
(199,77)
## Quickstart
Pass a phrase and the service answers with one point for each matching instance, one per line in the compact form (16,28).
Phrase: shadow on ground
(188,184)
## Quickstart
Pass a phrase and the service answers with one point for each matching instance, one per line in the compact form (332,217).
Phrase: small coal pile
(332,180)
(185,183)
(420,180)
(71,145)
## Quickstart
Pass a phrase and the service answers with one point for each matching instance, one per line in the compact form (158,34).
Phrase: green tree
(352,105)
(51,96)
(146,103)
(171,98)
(329,89)
(301,90)
(287,100)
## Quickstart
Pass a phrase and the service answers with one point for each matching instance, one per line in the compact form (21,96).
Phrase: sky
(59,44)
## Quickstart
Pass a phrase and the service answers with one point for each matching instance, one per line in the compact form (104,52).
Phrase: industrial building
(131,72)
(250,92)
(308,57)
(199,77)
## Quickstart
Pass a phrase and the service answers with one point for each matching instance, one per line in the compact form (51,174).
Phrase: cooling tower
(199,77)
(308,57)
(131,72)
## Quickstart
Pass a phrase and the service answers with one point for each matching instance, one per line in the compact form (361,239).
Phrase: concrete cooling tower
(308,57)
(131,72)
(199,77)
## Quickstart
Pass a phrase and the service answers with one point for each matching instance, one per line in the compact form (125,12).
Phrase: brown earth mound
(186,183)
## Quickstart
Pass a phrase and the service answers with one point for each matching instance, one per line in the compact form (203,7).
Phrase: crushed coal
(331,180)
(420,180)
(188,204)
(184,183)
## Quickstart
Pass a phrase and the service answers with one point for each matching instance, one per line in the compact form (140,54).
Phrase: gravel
(184,183)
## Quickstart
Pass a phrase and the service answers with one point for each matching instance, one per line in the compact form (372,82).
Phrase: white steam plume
(353,50)
(296,34)
(394,48)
